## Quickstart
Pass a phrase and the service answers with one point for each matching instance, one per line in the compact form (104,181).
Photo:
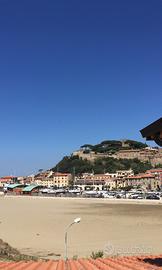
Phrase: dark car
(152,197)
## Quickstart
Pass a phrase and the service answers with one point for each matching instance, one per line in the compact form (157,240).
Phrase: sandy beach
(36,226)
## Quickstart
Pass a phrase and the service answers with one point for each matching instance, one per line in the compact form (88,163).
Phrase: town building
(157,173)
(90,184)
(121,174)
(145,181)
(54,179)
(15,189)
(31,189)
(95,176)
(6,180)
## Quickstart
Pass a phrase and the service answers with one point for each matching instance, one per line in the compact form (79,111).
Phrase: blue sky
(75,72)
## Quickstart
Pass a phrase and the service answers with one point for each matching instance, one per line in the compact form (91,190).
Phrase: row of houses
(145,181)
(150,180)
(45,179)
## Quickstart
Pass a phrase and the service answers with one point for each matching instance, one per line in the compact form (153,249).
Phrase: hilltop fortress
(151,154)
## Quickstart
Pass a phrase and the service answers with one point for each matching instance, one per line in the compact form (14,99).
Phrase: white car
(109,195)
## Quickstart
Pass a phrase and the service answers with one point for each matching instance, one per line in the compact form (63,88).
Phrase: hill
(101,165)
(112,146)
(106,157)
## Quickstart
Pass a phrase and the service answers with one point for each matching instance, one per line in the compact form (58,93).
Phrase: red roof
(61,174)
(154,170)
(140,176)
(4,180)
(118,263)
(8,177)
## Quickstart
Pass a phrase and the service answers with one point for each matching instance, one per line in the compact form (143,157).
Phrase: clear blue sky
(75,72)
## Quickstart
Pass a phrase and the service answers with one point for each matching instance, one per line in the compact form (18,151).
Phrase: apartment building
(55,179)
(121,174)
(7,180)
(95,176)
(157,173)
(86,184)
(146,181)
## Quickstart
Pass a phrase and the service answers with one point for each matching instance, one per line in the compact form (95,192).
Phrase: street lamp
(76,220)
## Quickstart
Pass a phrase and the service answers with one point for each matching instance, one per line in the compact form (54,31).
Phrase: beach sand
(36,226)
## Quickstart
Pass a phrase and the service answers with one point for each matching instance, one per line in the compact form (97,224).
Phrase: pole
(76,220)
(66,241)
(66,247)
(74,176)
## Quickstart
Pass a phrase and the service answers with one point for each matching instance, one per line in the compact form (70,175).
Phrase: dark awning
(153,131)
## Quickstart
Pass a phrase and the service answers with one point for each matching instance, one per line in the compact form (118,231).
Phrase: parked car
(134,196)
(140,197)
(152,197)
(109,195)
(118,196)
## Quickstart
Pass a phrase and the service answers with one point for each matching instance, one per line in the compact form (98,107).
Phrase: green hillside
(101,165)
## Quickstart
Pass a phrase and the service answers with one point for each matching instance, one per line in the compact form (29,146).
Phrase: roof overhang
(153,132)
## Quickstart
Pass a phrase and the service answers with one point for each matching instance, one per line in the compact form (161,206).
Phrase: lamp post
(76,220)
